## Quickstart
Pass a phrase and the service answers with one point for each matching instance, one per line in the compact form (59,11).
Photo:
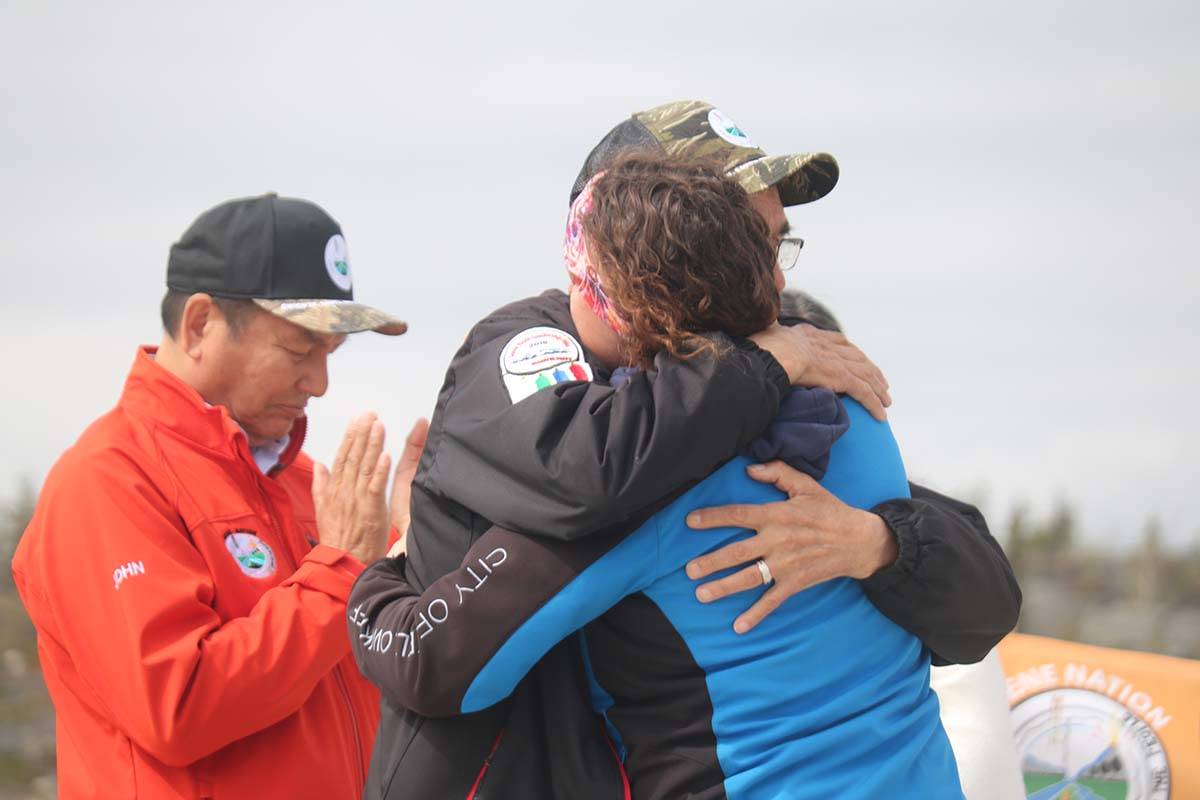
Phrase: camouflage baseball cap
(334,316)
(285,254)
(695,129)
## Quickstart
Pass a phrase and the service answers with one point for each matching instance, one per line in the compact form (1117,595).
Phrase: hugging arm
(577,457)
(951,585)
(939,574)
(464,643)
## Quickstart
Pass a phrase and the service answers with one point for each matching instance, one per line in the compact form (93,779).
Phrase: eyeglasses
(789,251)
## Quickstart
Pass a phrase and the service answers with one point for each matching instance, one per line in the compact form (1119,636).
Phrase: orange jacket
(192,637)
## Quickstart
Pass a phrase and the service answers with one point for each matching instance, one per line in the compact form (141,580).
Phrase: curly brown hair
(681,253)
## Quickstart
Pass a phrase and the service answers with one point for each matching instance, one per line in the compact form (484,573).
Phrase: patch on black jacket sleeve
(537,358)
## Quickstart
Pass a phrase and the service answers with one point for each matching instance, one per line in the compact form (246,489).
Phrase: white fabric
(266,456)
(975,714)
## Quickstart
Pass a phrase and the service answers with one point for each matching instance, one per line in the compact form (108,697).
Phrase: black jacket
(581,457)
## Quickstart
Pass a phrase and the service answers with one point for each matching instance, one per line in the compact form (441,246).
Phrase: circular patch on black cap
(337,262)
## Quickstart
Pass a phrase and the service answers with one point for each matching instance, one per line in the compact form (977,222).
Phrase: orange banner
(1094,723)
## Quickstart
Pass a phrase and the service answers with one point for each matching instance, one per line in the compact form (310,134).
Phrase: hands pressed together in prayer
(406,470)
(350,497)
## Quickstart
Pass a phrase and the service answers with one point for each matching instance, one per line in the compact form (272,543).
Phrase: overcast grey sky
(1014,237)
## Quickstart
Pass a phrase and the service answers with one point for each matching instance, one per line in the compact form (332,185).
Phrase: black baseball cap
(695,129)
(285,254)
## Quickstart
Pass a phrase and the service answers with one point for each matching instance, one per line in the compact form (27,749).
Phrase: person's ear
(196,323)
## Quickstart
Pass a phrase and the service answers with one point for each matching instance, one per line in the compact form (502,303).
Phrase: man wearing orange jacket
(188,593)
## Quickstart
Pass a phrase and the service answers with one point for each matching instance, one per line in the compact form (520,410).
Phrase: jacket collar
(151,392)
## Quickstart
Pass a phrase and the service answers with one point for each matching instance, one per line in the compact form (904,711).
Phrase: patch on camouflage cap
(334,316)
(694,129)
(728,130)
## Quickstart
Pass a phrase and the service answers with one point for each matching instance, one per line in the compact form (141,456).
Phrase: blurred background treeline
(26,716)
(1142,598)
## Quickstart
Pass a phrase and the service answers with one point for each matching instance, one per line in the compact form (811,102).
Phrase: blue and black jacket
(585,465)
(826,698)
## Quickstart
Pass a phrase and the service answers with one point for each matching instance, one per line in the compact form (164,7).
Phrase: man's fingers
(731,555)
(347,451)
(320,484)
(856,362)
(861,391)
(358,434)
(770,601)
(786,478)
(879,376)
(734,516)
(877,387)
(842,377)
(410,457)
(414,443)
(848,352)
(872,375)
(371,452)
(378,482)
(406,470)
(740,581)
(339,460)
(774,597)
(851,352)
(398,548)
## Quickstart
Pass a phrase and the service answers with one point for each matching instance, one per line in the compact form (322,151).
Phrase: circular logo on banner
(728,130)
(1080,743)
(252,554)
(337,262)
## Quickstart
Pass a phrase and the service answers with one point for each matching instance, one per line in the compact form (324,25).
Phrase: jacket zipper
(358,748)
(627,792)
(487,762)
(293,562)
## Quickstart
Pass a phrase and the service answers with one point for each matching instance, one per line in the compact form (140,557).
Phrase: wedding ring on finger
(765,571)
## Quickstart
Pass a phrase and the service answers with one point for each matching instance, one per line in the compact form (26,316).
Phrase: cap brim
(334,316)
(801,178)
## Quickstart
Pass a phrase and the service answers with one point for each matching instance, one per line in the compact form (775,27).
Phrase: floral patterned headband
(584,279)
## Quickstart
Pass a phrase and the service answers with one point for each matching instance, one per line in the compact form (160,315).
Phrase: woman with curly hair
(826,697)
